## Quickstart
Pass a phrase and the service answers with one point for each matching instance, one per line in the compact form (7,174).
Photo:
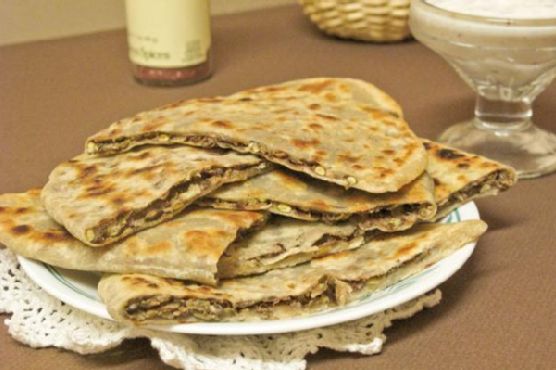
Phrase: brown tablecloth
(497,312)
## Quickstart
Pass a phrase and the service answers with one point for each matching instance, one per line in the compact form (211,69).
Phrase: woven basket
(367,20)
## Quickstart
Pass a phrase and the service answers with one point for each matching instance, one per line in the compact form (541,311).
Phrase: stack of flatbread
(265,204)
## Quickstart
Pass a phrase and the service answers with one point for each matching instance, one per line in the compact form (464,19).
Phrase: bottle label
(168,33)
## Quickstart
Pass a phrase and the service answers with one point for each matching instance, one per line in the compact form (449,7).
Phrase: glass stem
(502,115)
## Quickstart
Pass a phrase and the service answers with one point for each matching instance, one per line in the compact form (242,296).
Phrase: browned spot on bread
(331,97)
(222,124)
(303,144)
(318,204)
(314,106)
(357,166)
(463,165)
(262,125)
(315,87)
(379,115)
(388,151)
(87,171)
(488,164)
(55,236)
(272,89)
(409,147)
(118,200)
(159,248)
(383,172)
(335,256)
(317,158)
(20,229)
(291,285)
(143,170)
(140,193)
(21,210)
(139,281)
(349,158)
(98,189)
(2,209)
(368,109)
(327,117)
(389,123)
(405,250)
(155,123)
(239,219)
(315,126)
(448,154)
(205,243)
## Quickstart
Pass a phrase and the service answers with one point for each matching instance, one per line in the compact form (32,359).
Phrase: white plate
(79,289)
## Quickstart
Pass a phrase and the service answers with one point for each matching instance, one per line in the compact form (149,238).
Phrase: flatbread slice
(286,242)
(324,283)
(187,247)
(200,245)
(338,130)
(332,89)
(101,200)
(291,194)
(460,177)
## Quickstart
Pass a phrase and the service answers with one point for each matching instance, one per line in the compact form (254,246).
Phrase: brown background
(497,312)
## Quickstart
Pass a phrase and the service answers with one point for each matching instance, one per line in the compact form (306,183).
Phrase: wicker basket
(367,20)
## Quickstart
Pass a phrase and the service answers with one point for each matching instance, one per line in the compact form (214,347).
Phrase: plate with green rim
(79,289)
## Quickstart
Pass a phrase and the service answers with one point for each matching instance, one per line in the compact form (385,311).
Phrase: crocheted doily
(40,320)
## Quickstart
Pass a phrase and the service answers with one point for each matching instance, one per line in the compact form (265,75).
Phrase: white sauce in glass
(492,54)
(512,9)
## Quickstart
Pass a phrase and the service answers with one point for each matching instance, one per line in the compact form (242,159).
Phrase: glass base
(527,148)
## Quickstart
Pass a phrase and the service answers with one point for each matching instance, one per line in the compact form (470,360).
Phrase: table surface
(497,312)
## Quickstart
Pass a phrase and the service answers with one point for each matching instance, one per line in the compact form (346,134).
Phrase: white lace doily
(39,320)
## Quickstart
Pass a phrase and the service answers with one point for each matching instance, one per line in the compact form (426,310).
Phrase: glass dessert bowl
(508,59)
